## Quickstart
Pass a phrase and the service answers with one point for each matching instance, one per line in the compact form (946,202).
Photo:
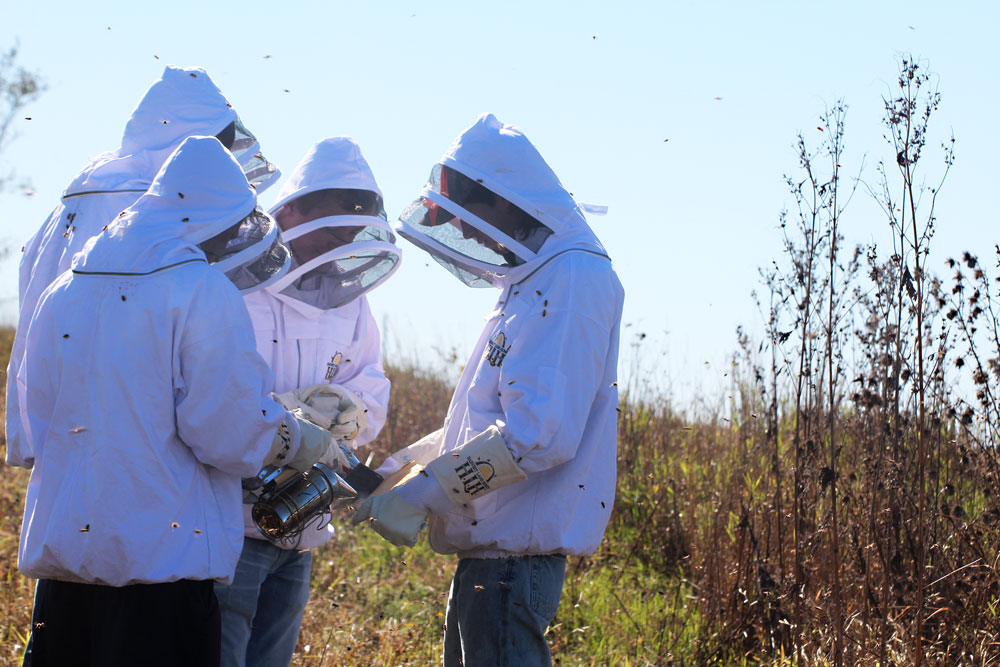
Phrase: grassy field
(699,563)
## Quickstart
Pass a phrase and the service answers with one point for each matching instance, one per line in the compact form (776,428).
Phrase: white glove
(331,406)
(335,459)
(315,444)
(392,517)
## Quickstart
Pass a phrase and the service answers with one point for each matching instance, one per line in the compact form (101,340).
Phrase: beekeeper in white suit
(147,403)
(183,102)
(522,473)
(315,329)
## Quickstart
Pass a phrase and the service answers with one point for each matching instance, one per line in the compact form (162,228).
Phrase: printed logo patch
(333,366)
(475,475)
(495,350)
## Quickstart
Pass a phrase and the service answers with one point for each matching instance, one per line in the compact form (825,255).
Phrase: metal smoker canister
(289,509)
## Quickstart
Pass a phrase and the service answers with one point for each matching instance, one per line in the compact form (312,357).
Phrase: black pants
(168,625)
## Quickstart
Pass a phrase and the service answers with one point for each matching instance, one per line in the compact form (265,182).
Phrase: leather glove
(332,406)
(315,444)
(401,513)
(392,517)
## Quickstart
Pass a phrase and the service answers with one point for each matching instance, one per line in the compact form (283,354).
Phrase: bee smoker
(288,500)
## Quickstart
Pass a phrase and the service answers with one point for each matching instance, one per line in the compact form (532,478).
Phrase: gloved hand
(332,406)
(401,513)
(392,517)
(335,458)
(315,444)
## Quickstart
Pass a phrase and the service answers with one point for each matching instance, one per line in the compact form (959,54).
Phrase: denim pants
(262,609)
(499,609)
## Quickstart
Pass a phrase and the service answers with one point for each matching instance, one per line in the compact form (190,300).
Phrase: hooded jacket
(305,345)
(182,103)
(144,397)
(543,371)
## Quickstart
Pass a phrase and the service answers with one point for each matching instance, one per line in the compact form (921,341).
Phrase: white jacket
(305,345)
(543,371)
(144,395)
(182,103)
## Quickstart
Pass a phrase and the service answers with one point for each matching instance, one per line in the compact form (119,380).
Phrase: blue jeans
(262,609)
(499,609)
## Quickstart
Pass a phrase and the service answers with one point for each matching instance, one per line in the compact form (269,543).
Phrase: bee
(510,383)
(197,531)
(185,219)
(85,529)
(65,335)
(181,194)
(193,75)
(174,524)
(480,588)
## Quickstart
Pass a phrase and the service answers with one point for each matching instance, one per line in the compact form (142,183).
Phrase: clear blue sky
(680,116)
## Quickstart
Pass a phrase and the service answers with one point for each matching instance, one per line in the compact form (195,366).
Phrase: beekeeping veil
(332,219)
(493,208)
(199,207)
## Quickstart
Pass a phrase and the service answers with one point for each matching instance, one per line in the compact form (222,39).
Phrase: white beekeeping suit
(543,373)
(314,328)
(182,103)
(146,399)
(314,325)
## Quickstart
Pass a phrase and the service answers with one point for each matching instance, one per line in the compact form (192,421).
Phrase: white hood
(183,102)
(199,193)
(345,270)
(333,163)
(502,159)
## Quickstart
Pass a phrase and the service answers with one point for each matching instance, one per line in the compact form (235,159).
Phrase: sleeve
(547,387)
(18,444)
(367,377)
(223,403)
